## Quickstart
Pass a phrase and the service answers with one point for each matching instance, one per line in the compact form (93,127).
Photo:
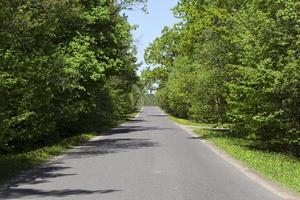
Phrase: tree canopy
(232,62)
(65,66)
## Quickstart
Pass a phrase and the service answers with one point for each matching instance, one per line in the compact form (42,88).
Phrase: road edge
(258,178)
(93,139)
(57,158)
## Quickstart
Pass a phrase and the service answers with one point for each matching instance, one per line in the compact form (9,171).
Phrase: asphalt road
(148,158)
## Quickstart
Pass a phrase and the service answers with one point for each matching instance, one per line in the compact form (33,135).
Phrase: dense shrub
(62,62)
(234,62)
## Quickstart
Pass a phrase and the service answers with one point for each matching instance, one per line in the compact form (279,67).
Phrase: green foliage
(257,95)
(191,123)
(149,100)
(62,62)
(232,62)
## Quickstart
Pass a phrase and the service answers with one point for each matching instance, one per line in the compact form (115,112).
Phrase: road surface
(148,158)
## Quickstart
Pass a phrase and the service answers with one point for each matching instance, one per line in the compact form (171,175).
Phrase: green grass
(279,167)
(190,123)
(276,166)
(12,164)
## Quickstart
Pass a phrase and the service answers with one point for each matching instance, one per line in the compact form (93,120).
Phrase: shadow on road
(42,175)
(159,115)
(15,193)
(137,120)
(130,129)
(39,175)
(57,168)
(18,188)
(109,146)
(195,138)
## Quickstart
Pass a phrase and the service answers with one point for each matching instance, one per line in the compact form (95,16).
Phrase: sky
(150,25)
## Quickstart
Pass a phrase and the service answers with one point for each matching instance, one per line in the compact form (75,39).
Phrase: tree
(61,63)
(236,62)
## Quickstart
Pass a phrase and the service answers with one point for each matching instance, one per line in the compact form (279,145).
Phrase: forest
(65,67)
(235,63)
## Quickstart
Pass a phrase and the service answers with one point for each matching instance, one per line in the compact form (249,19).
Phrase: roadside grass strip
(14,163)
(281,168)
(191,123)
(276,166)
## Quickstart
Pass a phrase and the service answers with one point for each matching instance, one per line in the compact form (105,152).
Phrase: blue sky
(151,24)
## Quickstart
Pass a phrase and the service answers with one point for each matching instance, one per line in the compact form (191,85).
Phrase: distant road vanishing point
(147,158)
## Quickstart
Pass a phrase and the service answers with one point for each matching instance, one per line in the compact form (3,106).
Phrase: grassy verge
(13,163)
(278,167)
(190,123)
